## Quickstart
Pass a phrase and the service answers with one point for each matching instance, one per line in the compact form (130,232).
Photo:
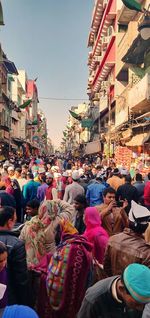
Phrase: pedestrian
(127,192)
(139,185)
(80,205)
(66,286)
(51,191)
(129,246)
(17,266)
(38,234)
(114,218)
(118,296)
(11,172)
(95,233)
(147,193)
(8,185)
(94,193)
(115,181)
(72,190)
(3,276)
(30,188)
(31,209)
(41,191)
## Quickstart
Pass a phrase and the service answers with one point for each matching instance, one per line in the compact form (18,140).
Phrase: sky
(48,38)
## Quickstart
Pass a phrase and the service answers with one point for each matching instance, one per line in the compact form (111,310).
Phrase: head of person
(3,256)
(32,207)
(41,174)
(128,179)
(134,287)
(80,202)
(109,195)
(5,167)
(65,175)
(7,181)
(19,311)
(11,171)
(138,177)
(94,171)
(23,175)
(49,179)
(18,173)
(139,218)
(7,217)
(116,172)
(7,200)
(25,169)
(148,176)
(92,218)
(99,177)
(30,176)
(75,176)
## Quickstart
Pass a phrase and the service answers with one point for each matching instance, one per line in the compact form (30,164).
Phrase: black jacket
(17,268)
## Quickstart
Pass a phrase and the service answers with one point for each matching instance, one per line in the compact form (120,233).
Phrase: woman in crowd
(95,233)
(8,185)
(68,273)
(39,233)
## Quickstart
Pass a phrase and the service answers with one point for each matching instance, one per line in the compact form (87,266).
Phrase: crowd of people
(74,239)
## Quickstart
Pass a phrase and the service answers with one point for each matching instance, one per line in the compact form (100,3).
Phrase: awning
(138,140)
(10,67)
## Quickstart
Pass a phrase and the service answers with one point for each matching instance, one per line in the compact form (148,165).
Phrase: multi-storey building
(132,119)
(7,69)
(118,84)
(101,61)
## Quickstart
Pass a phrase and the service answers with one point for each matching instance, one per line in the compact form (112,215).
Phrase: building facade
(119,67)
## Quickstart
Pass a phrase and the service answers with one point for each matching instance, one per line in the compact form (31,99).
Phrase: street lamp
(144,27)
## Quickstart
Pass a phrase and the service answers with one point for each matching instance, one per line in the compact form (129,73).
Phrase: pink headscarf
(95,233)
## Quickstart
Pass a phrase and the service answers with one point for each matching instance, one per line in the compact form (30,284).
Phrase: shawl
(33,232)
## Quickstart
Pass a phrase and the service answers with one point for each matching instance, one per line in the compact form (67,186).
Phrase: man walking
(74,189)
(118,296)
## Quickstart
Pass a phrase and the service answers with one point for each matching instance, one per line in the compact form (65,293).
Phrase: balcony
(139,96)
(121,115)
(103,102)
(125,44)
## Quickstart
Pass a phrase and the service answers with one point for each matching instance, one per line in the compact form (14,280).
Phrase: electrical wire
(55,98)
